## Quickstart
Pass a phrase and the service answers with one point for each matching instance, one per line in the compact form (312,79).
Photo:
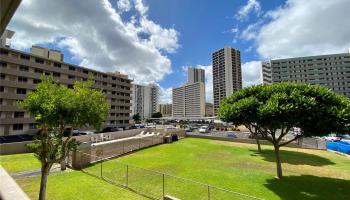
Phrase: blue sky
(157,40)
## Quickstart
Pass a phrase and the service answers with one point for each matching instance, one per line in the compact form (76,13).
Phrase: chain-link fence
(154,184)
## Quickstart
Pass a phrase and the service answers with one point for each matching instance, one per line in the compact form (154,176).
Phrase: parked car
(204,129)
(332,137)
(109,129)
(231,135)
(87,132)
(133,127)
(188,129)
(67,131)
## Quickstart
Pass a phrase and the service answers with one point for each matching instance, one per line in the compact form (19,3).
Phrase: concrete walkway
(37,172)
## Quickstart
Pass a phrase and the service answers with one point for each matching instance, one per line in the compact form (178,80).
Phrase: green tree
(275,109)
(157,115)
(243,111)
(55,107)
(136,117)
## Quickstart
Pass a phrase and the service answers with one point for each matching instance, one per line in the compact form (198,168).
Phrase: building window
(2,88)
(25,57)
(3,52)
(23,68)
(57,65)
(85,71)
(36,81)
(17,127)
(21,91)
(55,74)
(39,71)
(39,60)
(71,68)
(18,115)
(22,79)
(3,64)
(2,76)
(71,77)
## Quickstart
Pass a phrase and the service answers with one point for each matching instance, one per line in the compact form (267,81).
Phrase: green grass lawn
(19,162)
(76,185)
(308,174)
(63,186)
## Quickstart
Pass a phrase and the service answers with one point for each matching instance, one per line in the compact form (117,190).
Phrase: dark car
(109,129)
(132,127)
(67,132)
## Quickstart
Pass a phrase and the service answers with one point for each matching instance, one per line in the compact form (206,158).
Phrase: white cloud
(124,5)
(208,80)
(165,95)
(303,28)
(96,35)
(251,73)
(251,6)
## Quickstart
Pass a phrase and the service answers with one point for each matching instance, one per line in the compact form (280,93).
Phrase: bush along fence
(154,184)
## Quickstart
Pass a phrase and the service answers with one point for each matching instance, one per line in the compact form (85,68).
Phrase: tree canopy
(273,110)
(55,107)
(136,117)
(157,115)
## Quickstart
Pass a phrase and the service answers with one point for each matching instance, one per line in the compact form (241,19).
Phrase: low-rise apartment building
(21,71)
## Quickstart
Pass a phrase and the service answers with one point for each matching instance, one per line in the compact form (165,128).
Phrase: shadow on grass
(309,187)
(294,158)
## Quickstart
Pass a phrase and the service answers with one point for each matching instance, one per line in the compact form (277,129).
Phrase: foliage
(136,117)
(273,110)
(55,107)
(157,115)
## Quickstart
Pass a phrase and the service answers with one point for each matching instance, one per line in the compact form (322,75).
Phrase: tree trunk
(44,174)
(278,161)
(258,143)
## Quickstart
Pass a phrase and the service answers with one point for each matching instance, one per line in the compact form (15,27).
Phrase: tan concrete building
(209,110)
(195,75)
(21,71)
(189,100)
(227,75)
(165,109)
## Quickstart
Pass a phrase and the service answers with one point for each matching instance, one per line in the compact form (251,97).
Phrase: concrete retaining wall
(253,141)
(14,148)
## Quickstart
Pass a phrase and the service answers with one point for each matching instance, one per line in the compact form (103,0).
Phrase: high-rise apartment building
(189,100)
(145,100)
(195,75)
(165,109)
(332,71)
(21,71)
(227,75)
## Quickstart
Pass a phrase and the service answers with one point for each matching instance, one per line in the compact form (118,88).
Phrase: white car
(332,137)
(204,129)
